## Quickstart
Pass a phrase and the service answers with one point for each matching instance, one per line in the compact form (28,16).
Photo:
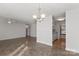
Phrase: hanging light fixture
(9,21)
(40,16)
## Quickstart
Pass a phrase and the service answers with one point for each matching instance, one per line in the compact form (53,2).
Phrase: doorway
(59,32)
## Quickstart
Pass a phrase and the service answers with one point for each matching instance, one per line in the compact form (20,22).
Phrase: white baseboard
(72,50)
(45,43)
(11,38)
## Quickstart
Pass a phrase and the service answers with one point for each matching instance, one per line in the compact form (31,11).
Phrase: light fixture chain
(39,11)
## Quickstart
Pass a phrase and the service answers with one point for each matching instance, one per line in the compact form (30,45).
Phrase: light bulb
(9,22)
(42,15)
(34,16)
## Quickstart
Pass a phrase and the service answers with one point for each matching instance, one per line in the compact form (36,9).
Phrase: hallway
(59,43)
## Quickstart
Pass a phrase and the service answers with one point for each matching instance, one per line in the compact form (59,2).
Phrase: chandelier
(40,16)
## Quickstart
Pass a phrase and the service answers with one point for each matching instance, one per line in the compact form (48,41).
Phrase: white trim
(11,38)
(72,50)
(45,43)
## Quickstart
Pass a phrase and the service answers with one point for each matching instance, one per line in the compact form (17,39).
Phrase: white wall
(8,31)
(72,30)
(44,31)
(33,30)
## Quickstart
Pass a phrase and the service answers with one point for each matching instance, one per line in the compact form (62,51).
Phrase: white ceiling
(24,11)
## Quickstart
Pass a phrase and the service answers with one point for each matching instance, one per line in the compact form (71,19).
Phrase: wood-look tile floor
(59,43)
(31,48)
(8,46)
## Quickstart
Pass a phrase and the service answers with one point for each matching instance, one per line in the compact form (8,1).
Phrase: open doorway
(59,32)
